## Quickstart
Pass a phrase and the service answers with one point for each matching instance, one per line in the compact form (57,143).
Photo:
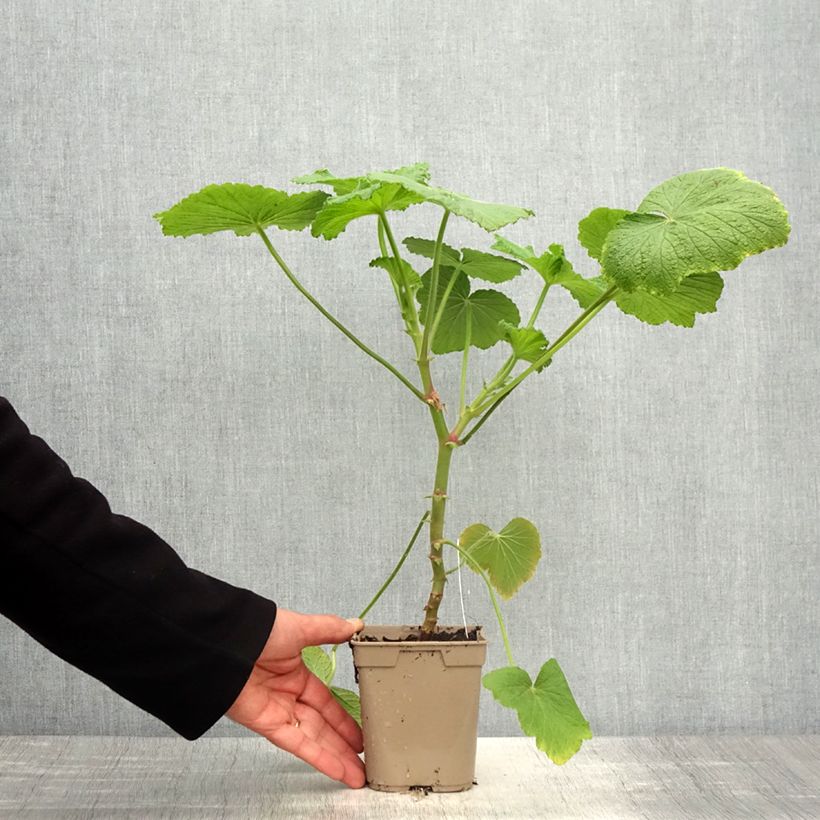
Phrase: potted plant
(659,262)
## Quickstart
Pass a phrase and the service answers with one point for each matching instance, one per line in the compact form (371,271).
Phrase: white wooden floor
(612,778)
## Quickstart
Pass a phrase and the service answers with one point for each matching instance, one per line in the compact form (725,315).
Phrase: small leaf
(388,263)
(318,662)
(699,222)
(594,228)
(488,215)
(509,557)
(527,343)
(476,264)
(487,308)
(349,701)
(552,265)
(523,252)
(243,209)
(546,709)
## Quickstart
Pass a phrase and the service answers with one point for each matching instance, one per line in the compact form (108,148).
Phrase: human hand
(292,708)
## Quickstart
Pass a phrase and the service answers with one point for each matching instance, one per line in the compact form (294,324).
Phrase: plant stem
(437,508)
(398,566)
(489,407)
(464,359)
(469,559)
(427,338)
(509,364)
(413,318)
(538,305)
(579,324)
(398,289)
(334,321)
(475,428)
(444,297)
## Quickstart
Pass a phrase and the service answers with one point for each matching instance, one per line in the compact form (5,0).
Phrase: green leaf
(700,222)
(243,209)
(527,343)
(697,293)
(476,264)
(450,257)
(344,185)
(552,265)
(586,291)
(509,557)
(388,263)
(523,252)
(488,266)
(546,709)
(350,702)
(488,215)
(361,196)
(379,191)
(487,308)
(594,228)
(318,662)
(369,200)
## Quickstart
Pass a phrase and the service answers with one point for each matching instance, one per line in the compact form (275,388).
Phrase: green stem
(398,288)
(464,359)
(437,508)
(509,364)
(538,305)
(486,410)
(444,297)
(576,327)
(382,589)
(413,317)
(427,338)
(398,566)
(475,428)
(334,321)
(469,559)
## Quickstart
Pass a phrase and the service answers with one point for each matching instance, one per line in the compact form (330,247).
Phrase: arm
(109,596)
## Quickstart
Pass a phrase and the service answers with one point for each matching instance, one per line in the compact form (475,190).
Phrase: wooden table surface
(612,778)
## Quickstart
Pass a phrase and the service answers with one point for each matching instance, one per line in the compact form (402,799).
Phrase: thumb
(322,629)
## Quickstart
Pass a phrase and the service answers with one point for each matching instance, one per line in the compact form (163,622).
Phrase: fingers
(337,766)
(322,629)
(318,729)
(318,696)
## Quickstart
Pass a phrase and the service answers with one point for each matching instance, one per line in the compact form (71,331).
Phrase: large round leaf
(700,222)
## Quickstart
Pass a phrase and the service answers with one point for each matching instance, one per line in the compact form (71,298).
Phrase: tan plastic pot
(419,707)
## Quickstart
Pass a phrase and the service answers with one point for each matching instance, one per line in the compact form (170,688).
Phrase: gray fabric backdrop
(673,472)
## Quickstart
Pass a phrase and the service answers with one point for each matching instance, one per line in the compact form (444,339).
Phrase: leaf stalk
(334,321)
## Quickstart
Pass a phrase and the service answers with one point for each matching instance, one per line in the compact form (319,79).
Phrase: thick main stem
(437,510)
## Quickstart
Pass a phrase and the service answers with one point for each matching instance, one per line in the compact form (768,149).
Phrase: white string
(461,598)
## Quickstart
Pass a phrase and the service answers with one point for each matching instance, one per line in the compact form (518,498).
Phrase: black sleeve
(109,596)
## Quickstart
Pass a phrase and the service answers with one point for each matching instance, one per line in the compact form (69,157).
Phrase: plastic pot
(419,706)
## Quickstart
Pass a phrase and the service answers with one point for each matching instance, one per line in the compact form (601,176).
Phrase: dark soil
(444,634)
